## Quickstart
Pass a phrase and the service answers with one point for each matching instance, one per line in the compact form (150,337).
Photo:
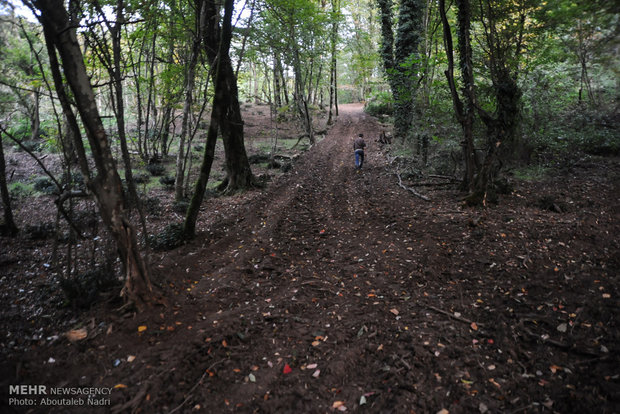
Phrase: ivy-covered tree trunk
(464,112)
(387,40)
(400,58)
(467,76)
(409,36)
(502,126)
(106,185)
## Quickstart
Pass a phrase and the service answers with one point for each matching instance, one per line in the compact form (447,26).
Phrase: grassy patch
(531,172)
(20,190)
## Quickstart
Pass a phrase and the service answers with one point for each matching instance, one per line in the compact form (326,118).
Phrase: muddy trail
(337,290)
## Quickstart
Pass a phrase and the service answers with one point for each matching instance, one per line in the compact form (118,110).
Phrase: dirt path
(336,289)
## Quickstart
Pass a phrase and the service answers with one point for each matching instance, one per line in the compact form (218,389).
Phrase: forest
(184,229)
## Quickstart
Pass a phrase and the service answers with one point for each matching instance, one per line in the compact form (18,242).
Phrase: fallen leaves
(492,381)
(554,368)
(75,335)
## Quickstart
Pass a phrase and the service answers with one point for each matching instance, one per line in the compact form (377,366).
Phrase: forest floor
(335,289)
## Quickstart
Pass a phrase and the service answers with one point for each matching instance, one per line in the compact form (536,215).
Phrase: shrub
(82,291)
(379,104)
(169,238)
(156,170)
(21,130)
(141,178)
(32,146)
(44,185)
(152,205)
(20,190)
(167,181)
(40,231)
(180,206)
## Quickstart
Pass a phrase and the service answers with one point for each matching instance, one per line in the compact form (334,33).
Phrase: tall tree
(217,39)
(333,67)
(61,37)
(401,56)
(112,61)
(19,70)
(190,82)
(465,112)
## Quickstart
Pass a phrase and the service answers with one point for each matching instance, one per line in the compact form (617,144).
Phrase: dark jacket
(359,144)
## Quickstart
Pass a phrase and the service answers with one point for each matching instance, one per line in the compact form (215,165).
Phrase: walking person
(358,147)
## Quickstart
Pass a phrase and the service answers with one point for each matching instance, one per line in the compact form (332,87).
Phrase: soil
(335,289)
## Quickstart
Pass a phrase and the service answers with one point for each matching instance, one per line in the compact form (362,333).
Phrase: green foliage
(32,146)
(401,58)
(380,104)
(20,129)
(20,190)
(533,172)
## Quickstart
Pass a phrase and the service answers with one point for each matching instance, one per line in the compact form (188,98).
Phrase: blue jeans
(359,158)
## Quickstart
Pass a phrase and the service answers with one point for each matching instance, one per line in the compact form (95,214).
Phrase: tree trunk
(165,129)
(467,76)
(187,106)
(301,102)
(239,173)
(501,126)
(35,119)
(189,226)
(464,113)
(331,94)
(67,141)
(106,186)
(217,45)
(277,90)
(8,227)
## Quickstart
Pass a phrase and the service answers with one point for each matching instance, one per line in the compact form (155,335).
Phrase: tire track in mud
(311,266)
(304,274)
